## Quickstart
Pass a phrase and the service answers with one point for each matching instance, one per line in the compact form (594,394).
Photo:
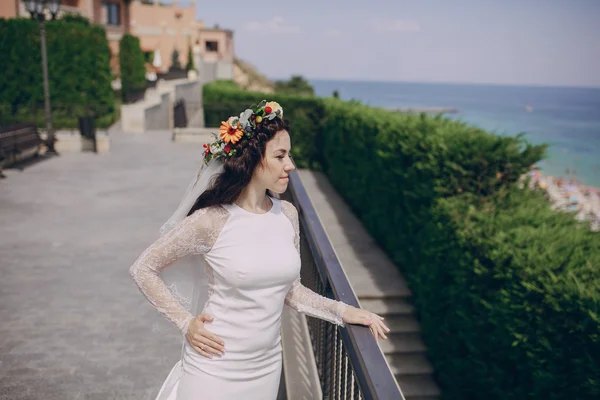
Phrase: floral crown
(240,128)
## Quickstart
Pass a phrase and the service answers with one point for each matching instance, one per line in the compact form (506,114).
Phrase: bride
(248,242)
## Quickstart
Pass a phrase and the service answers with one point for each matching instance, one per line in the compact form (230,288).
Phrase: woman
(249,241)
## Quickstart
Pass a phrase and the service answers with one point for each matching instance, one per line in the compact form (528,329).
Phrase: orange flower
(230,134)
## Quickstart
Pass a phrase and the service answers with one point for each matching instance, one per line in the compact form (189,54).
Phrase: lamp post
(36,9)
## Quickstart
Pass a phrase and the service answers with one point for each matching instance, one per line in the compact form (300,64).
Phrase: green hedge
(505,287)
(131,65)
(222,99)
(508,295)
(78,69)
(502,283)
(409,161)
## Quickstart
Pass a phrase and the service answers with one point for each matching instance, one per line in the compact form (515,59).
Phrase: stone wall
(191,93)
(158,116)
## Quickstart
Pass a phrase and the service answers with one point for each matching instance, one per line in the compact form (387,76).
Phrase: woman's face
(273,171)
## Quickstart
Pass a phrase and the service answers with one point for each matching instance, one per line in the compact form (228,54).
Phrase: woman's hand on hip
(203,341)
(353,315)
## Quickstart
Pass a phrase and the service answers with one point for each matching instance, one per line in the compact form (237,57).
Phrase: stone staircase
(379,286)
(155,111)
(404,349)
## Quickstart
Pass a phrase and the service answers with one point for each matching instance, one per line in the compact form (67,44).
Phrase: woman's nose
(290,166)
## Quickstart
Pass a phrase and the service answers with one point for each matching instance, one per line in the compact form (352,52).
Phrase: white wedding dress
(253,268)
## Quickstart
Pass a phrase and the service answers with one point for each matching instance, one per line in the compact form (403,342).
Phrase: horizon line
(532,85)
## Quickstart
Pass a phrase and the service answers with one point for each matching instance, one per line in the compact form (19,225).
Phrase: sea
(568,119)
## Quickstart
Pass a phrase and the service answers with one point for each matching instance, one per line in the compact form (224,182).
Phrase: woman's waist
(241,323)
(234,362)
(243,312)
(247,339)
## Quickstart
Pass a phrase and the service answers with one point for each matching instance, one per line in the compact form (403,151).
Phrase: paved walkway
(73,324)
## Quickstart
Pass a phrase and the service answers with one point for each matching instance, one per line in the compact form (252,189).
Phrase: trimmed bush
(409,161)
(78,73)
(131,64)
(508,294)
(504,286)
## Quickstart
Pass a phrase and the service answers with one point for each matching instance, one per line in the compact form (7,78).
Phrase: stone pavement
(73,325)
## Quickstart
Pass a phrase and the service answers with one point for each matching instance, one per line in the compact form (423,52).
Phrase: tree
(131,62)
(190,63)
(76,19)
(296,85)
(175,65)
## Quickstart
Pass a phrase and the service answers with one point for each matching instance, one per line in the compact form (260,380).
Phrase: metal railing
(349,361)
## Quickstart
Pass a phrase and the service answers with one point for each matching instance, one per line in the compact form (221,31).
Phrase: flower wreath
(237,128)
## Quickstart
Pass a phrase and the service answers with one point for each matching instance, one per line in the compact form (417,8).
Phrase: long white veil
(187,278)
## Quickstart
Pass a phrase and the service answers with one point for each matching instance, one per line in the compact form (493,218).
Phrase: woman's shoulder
(288,206)
(289,210)
(210,217)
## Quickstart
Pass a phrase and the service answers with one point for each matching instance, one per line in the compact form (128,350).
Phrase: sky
(526,42)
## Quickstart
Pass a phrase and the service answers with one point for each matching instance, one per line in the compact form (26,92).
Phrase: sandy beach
(570,196)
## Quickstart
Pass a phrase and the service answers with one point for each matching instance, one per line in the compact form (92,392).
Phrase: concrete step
(409,364)
(388,305)
(403,343)
(402,324)
(420,387)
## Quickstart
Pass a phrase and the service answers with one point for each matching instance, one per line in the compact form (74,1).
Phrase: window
(111,13)
(212,46)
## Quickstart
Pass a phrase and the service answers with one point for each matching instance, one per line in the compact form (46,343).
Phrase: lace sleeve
(300,297)
(193,235)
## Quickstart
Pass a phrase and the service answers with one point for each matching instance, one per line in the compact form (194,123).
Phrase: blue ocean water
(568,119)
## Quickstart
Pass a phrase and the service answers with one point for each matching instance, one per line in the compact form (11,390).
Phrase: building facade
(216,53)
(163,29)
(9,8)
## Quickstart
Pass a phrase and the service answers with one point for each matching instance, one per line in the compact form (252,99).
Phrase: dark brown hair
(238,170)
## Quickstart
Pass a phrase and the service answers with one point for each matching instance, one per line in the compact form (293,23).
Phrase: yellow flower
(274,106)
(230,134)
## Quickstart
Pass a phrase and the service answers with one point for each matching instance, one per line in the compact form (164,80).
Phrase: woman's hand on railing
(353,315)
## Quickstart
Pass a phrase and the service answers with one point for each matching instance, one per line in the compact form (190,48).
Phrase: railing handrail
(375,379)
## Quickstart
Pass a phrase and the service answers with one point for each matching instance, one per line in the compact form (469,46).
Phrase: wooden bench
(18,142)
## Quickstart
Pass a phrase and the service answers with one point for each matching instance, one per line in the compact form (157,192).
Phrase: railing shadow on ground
(349,361)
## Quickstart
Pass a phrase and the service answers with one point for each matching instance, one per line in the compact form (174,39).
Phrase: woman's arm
(188,237)
(303,299)
(308,302)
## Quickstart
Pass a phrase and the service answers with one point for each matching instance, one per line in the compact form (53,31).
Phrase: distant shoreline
(488,84)
(428,110)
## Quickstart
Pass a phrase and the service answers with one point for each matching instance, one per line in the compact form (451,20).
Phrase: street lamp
(36,9)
